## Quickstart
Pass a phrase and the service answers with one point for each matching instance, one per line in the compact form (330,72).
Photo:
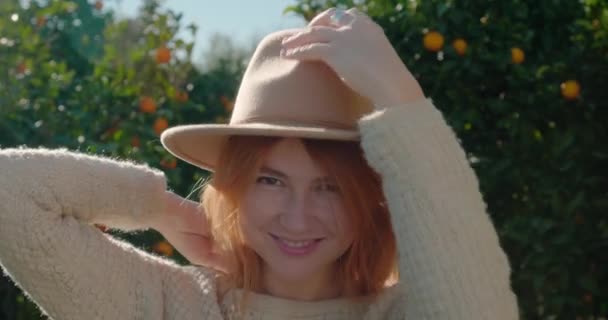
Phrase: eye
(329,187)
(269,181)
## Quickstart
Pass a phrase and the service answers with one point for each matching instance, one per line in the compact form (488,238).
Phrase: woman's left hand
(360,53)
(184,224)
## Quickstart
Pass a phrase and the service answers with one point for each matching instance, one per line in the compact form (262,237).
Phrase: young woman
(338,192)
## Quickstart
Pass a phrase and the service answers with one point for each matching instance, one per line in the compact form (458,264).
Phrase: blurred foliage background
(522,82)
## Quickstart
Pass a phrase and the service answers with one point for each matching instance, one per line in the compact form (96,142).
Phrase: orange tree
(72,75)
(523,83)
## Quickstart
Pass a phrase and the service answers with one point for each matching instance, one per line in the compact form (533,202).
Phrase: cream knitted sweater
(450,260)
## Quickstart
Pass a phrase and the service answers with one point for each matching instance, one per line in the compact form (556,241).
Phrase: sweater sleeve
(451,263)
(49,200)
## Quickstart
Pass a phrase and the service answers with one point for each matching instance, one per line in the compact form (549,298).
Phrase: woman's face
(293,216)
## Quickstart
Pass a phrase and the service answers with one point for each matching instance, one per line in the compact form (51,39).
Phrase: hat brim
(200,145)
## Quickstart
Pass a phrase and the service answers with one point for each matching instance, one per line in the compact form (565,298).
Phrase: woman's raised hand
(360,53)
(185,226)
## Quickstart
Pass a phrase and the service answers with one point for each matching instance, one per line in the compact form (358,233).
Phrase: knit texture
(451,263)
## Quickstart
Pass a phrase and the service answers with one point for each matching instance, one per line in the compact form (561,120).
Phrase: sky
(242,19)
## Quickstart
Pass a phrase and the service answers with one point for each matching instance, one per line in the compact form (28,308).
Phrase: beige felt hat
(277,97)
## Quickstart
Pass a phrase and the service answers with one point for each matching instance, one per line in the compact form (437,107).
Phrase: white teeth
(296,244)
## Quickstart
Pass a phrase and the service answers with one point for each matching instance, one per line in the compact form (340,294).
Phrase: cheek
(258,209)
(336,219)
(345,227)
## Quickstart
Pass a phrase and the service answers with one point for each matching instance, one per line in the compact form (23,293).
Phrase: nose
(295,213)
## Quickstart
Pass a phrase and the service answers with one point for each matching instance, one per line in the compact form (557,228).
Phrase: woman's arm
(450,261)
(49,200)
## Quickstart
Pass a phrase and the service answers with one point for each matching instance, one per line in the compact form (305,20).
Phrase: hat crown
(277,97)
(282,91)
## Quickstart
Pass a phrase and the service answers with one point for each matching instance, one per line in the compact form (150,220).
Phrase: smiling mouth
(296,244)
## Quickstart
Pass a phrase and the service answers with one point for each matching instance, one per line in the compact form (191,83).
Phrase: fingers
(219,262)
(323,18)
(201,251)
(355,12)
(311,44)
(188,217)
(193,222)
(189,204)
(320,34)
(177,204)
(314,51)
(321,30)
(319,40)
(348,19)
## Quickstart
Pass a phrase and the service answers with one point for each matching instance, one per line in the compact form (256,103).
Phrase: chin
(290,270)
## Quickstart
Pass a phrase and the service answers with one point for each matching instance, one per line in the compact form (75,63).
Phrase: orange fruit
(98,5)
(111,130)
(21,68)
(181,96)
(40,21)
(433,41)
(588,298)
(517,55)
(169,164)
(460,45)
(163,247)
(135,142)
(147,105)
(163,55)
(160,125)
(227,103)
(571,89)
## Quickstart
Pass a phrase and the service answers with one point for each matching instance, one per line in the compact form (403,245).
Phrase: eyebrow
(277,173)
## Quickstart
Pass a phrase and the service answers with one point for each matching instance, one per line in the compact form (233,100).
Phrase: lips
(294,241)
(296,244)
(296,247)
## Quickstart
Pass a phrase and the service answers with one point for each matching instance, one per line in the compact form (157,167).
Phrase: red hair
(370,262)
